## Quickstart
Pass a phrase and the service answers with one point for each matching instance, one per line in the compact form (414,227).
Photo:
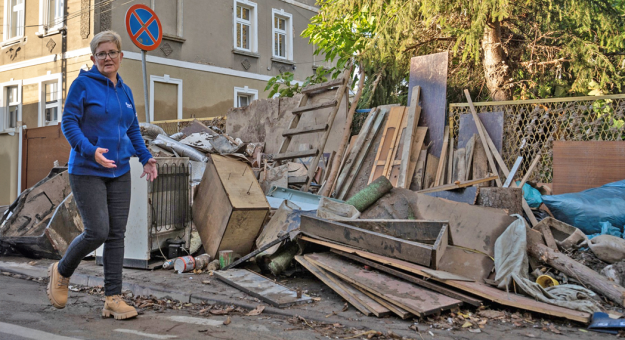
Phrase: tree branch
(429,41)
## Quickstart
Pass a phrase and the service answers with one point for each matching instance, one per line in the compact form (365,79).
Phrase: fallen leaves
(227,321)
(345,307)
(259,309)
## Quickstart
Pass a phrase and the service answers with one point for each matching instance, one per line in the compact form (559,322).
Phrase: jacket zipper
(119,135)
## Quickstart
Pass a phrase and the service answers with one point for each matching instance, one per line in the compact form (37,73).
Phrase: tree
(500,48)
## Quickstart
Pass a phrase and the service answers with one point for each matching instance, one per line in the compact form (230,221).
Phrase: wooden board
(479,168)
(458,185)
(460,168)
(425,254)
(42,146)
(464,195)
(466,263)
(410,152)
(416,300)
(431,165)
(440,172)
(475,288)
(402,313)
(340,290)
(418,140)
(417,179)
(392,169)
(492,121)
(469,150)
(261,287)
(502,198)
(387,144)
(430,73)
(423,283)
(578,166)
(240,183)
(428,232)
(364,150)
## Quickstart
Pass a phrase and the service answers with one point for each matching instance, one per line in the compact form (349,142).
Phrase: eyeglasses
(102,55)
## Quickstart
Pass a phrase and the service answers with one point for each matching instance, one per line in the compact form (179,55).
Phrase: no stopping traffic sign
(144,27)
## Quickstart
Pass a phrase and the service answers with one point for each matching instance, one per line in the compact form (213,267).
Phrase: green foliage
(284,85)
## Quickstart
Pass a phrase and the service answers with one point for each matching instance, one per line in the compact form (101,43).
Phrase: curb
(159,293)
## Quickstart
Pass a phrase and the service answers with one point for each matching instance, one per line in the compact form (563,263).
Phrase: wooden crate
(230,207)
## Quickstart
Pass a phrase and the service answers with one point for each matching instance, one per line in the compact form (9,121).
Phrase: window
(245,36)
(54,10)
(52,100)
(165,98)
(244,96)
(14,25)
(10,105)
(282,35)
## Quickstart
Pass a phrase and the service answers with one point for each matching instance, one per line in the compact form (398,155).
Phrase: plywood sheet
(390,133)
(492,121)
(44,145)
(430,72)
(240,183)
(466,263)
(578,166)
(261,287)
(413,298)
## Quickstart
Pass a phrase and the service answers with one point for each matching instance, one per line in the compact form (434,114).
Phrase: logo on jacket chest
(128,105)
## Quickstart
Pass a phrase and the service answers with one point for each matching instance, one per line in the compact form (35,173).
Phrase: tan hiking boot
(116,307)
(57,286)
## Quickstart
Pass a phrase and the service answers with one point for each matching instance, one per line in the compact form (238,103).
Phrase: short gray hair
(106,36)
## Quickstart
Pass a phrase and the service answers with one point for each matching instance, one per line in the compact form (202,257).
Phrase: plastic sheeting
(511,264)
(151,130)
(587,209)
(531,195)
(183,150)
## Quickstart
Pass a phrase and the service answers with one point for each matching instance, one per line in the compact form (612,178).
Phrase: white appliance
(159,210)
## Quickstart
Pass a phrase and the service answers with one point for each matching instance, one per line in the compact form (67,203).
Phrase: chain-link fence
(531,126)
(174,126)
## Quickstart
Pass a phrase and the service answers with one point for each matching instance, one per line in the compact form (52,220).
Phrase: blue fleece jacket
(99,114)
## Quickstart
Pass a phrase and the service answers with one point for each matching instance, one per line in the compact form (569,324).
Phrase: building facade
(215,54)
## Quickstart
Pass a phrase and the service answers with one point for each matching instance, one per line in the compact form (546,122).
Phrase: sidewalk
(188,287)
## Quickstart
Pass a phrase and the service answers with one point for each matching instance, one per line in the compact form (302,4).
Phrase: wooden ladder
(293,130)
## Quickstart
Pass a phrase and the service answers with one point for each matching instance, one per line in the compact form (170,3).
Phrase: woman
(100,123)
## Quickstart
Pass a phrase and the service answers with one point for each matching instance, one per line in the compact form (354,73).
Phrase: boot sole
(118,316)
(49,287)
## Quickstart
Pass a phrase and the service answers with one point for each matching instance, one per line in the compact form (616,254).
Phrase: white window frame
(7,22)
(48,26)
(245,91)
(167,80)
(4,104)
(288,17)
(253,25)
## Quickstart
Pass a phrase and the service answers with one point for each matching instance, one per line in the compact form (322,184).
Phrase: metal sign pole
(145,85)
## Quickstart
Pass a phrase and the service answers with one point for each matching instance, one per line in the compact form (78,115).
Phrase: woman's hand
(99,157)
(150,169)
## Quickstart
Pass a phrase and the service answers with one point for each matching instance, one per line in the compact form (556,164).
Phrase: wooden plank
(372,241)
(302,109)
(240,183)
(440,172)
(417,179)
(467,195)
(402,313)
(466,263)
(530,170)
(257,251)
(355,150)
(450,161)
(418,140)
(392,168)
(298,179)
(408,156)
(362,154)
(412,230)
(296,154)
(502,198)
(479,169)
(416,300)
(431,165)
(458,185)
(307,129)
(476,119)
(459,173)
(423,283)
(340,290)
(292,125)
(468,154)
(323,86)
(385,148)
(430,73)
(578,166)
(261,287)
(478,289)
(513,171)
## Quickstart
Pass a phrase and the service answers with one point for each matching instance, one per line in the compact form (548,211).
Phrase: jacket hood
(93,73)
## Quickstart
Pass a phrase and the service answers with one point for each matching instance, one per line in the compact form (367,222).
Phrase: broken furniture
(230,206)
(422,242)
(159,211)
(43,220)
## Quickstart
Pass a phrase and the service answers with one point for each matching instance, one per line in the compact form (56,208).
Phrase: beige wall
(208,30)
(8,168)
(204,94)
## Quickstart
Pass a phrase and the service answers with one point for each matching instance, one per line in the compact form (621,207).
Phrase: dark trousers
(103,204)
